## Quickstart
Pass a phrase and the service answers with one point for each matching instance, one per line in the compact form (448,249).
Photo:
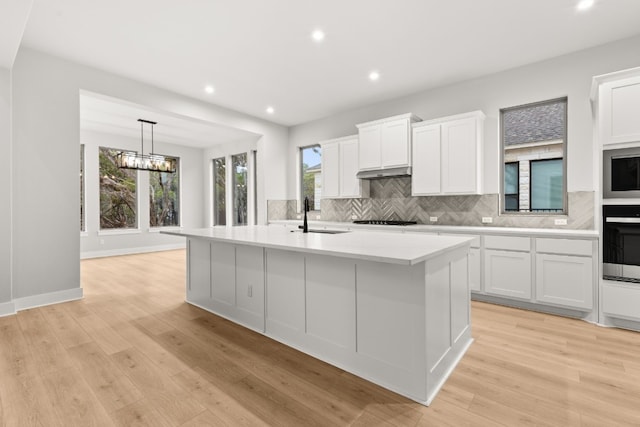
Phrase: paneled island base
(402,322)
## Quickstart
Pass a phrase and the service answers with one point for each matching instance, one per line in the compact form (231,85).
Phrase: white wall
(95,243)
(568,75)
(5,187)
(46,242)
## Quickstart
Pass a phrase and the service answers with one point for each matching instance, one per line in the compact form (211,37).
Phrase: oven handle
(631,220)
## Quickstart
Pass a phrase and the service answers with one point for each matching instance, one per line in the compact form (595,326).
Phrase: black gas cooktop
(383,222)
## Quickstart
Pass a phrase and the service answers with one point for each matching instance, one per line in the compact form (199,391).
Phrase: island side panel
(391,326)
(448,327)
(198,273)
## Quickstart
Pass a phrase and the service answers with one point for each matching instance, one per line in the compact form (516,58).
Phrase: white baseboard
(7,308)
(47,299)
(131,251)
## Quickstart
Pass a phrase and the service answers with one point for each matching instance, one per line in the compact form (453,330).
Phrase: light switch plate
(354,216)
(560,221)
(433,219)
(487,220)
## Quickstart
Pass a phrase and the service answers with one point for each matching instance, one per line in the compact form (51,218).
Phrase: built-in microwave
(621,173)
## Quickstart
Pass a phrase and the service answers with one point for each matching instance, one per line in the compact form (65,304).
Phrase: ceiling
(100,113)
(259,53)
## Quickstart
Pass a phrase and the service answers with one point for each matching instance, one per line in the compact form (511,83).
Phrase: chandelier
(148,162)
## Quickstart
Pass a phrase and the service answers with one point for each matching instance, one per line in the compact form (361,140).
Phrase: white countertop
(455,229)
(393,248)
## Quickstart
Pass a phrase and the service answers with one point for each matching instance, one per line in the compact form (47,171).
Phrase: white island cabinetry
(391,308)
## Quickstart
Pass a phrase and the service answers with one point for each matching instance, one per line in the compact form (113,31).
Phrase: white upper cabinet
(385,143)
(619,106)
(339,169)
(447,155)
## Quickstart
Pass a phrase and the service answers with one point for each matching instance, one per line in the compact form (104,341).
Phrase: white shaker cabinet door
(331,170)
(475,270)
(564,280)
(425,175)
(620,104)
(395,144)
(350,186)
(459,156)
(369,147)
(507,273)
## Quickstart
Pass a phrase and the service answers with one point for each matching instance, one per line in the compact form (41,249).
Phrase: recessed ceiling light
(209,89)
(270,110)
(585,4)
(374,75)
(317,35)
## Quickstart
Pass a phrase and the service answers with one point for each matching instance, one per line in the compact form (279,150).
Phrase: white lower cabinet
(507,273)
(564,280)
(621,300)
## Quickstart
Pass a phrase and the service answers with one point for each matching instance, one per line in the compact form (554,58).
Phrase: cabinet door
(475,277)
(369,147)
(565,280)
(395,143)
(620,105)
(330,171)
(459,157)
(350,186)
(425,174)
(507,273)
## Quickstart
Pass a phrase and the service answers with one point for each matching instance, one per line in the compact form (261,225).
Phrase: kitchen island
(390,308)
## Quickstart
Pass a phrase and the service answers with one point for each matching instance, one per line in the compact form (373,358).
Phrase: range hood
(384,173)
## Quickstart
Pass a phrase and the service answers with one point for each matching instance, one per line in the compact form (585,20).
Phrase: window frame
(531,163)
(565,145)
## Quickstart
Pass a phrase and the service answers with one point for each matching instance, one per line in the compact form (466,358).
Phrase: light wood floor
(133,353)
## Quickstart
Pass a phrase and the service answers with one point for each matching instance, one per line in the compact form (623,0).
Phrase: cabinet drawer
(621,301)
(565,246)
(508,243)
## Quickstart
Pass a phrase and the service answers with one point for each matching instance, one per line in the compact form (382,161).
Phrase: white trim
(84,234)
(119,231)
(131,251)
(47,299)
(7,308)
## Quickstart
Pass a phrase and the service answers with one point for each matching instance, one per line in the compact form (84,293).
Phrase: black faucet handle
(306,204)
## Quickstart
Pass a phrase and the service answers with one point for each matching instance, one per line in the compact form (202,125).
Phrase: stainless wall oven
(621,243)
(621,173)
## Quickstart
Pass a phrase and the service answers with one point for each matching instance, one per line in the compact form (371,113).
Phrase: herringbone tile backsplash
(391,199)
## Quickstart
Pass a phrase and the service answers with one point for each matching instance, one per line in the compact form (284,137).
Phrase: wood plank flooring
(132,353)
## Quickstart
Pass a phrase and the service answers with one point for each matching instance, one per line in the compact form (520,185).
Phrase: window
(118,207)
(311,176)
(82,212)
(239,164)
(534,145)
(164,198)
(511,186)
(219,192)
